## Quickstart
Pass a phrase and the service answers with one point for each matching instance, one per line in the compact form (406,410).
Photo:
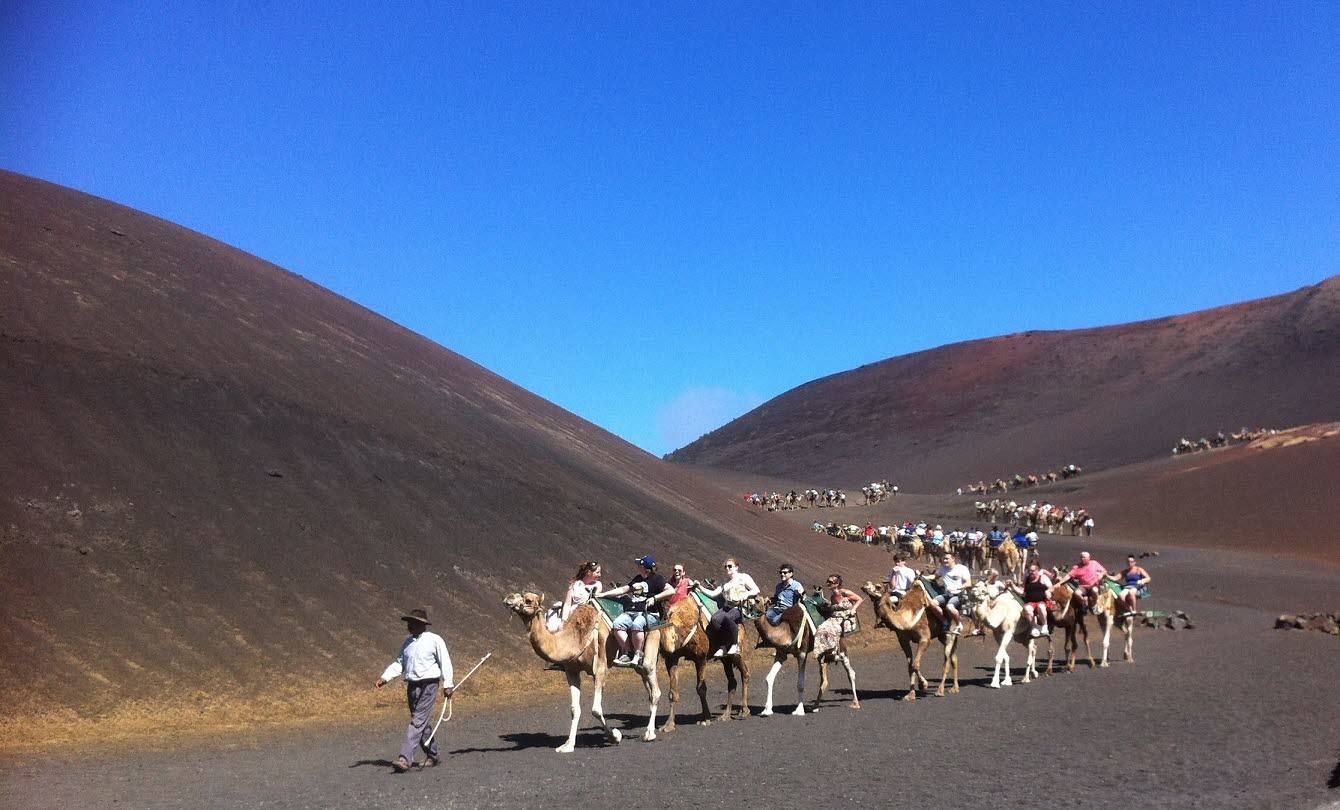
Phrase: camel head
(874,590)
(525,604)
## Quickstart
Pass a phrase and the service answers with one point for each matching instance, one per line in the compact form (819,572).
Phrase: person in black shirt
(638,597)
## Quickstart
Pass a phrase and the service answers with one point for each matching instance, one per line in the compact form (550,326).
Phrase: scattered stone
(274,473)
(84,550)
(1328,623)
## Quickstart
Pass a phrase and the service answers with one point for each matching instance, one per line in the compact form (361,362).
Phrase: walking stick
(446,705)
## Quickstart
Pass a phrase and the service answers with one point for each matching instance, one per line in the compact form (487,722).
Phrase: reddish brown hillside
(221,483)
(1038,400)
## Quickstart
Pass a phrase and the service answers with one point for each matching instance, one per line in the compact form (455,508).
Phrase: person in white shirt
(901,578)
(954,579)
(423,662)
(738,589)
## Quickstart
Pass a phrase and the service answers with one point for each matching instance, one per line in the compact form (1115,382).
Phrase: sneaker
(637,659)
(1034,633)
(956,629)
(432,762)
(623,660)
(720,652)
(400,765)
(734,650)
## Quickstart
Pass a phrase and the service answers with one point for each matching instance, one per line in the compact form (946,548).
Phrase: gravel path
(1231,713)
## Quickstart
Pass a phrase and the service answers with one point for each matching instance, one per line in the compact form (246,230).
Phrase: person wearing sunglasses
(735,591)
(788,592)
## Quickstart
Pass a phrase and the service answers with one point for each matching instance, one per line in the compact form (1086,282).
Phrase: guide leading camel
(423,662)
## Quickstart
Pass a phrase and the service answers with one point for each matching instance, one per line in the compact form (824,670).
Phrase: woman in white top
(585,584)
(738,589)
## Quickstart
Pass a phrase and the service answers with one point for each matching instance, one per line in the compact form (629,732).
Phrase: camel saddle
(818,609)
(611,609)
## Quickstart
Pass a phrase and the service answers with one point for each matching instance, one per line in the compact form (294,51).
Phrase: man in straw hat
(423,661)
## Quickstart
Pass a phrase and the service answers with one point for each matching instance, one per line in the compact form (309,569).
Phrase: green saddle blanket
(613,609)
(816,606)
(1116,588)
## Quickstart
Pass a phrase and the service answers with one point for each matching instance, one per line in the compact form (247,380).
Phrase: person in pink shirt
(1089,573)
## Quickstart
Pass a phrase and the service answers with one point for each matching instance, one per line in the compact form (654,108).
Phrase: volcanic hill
(1034,401)
(221,484)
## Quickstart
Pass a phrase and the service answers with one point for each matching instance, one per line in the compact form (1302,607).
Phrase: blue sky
(659,216)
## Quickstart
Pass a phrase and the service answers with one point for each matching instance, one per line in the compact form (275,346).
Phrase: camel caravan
(1021,481)
(655,621)
(872,493)
(1243,436)
(1048,517)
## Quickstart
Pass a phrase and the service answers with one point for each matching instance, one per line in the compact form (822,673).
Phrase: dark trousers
(421,696)
(722,629)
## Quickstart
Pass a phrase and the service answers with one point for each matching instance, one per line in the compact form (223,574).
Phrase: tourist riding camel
(584,644)
(639,596)
(1000,613)
(683,636)
(789,637)
(829,644)
(1089,573)
(901,578)
(954,578)
(1036,593)
(788,592)
(1133,578)
(733,594)
(911,623)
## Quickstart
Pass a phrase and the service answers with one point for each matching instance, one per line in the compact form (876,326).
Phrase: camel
(1010,560)
(911,622)
(788,638)
(1067,617)
(1112,613)
(1001,613)
(682,636)
(584,644)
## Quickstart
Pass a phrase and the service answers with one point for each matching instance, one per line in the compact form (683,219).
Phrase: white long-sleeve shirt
(422,658)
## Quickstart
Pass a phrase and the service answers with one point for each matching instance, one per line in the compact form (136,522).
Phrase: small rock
(84,549)
(1286,621)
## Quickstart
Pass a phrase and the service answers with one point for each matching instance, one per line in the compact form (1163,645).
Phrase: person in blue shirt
(995,537)
(787,593)
(1020,539)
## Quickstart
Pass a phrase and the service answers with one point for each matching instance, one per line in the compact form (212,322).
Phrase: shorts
(945,600)
(632,621)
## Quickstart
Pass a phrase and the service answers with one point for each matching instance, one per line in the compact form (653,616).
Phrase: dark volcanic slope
(220,478)
(1038,400)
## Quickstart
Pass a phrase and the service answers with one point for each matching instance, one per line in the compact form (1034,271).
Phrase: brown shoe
(400,765)
(432,762)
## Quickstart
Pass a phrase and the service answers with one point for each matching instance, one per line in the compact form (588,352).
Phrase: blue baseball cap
(646,561)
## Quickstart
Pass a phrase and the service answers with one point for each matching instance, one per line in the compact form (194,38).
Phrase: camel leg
(800,684)
(700,680)
(1107,623)
(575,695)
(1002,661)
(653,687)
(950,662)
(729,670)
(1129,628)
(598,711)
(1031,662)
(823,683)
(771,676)
(672,674)
(851,678)
(1088,650)
(744,682)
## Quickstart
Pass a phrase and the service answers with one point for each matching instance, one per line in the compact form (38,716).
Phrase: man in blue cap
(638,596)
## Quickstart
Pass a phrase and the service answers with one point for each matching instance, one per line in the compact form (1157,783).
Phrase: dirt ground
(1231,713)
